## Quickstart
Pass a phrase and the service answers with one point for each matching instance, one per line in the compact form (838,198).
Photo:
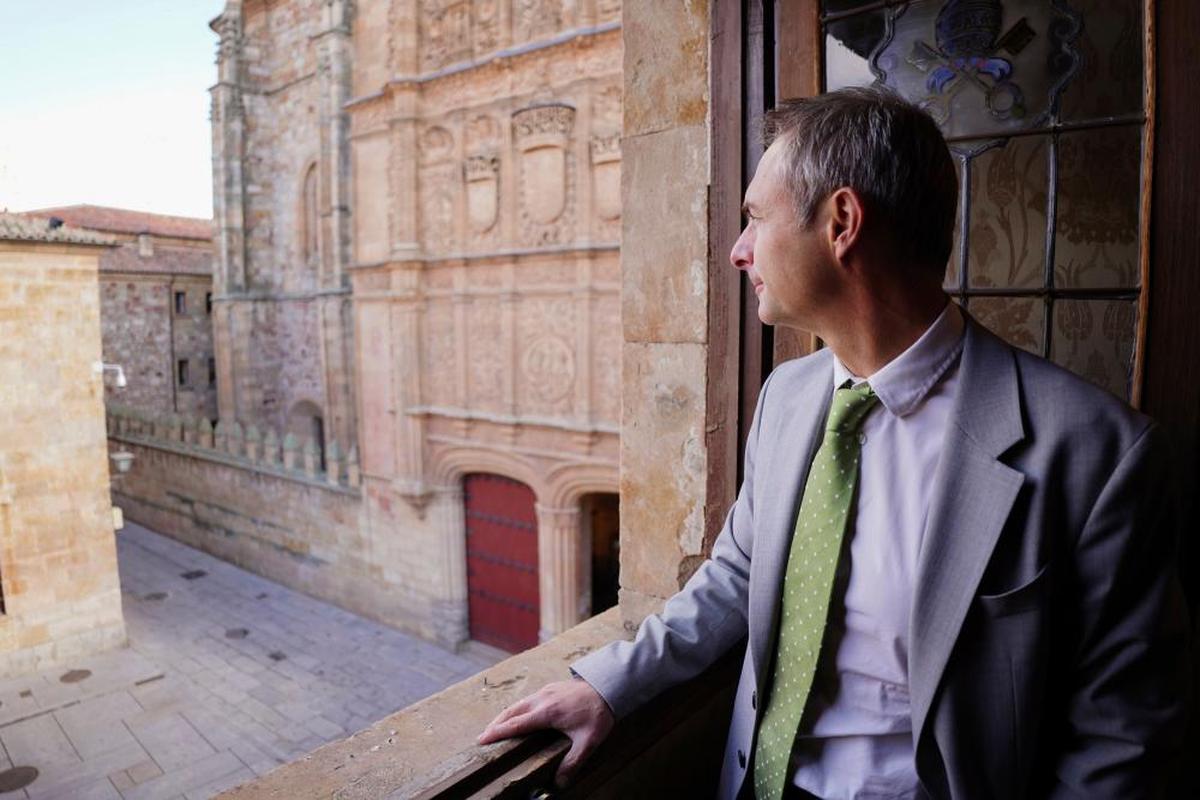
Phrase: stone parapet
(669,748)
(247,448)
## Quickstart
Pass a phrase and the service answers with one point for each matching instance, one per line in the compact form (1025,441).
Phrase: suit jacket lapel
(796,434)
(970,506)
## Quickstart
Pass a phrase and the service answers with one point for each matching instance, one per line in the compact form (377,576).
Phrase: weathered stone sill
(429,748)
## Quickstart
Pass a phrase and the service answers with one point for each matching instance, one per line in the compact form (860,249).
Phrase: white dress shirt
(856,741)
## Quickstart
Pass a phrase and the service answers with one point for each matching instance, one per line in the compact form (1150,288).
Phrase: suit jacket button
(754,700)
(742,759)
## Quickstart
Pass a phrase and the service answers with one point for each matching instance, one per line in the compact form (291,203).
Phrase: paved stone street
(227,675)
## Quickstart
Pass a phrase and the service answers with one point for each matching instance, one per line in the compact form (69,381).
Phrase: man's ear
(846,217)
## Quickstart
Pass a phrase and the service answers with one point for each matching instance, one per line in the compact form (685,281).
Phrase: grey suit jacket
(1047,643)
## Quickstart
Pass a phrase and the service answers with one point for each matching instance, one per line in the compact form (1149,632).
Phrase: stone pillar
(563,570)
(229,195)
(406,339)
(449,610)
(664,253)
(253,443)
(271,448)
(335,58)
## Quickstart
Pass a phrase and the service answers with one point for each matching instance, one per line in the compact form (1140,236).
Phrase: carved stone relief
(481,171)
(439,180)
(542,135)
(482,174)
(535,18)
(548,368)
(606,177)
(486,360)
(546,355)
(605,150)
(438,367)
(608,9)
(486,33)
(446,32)
(606,359)
(606,110)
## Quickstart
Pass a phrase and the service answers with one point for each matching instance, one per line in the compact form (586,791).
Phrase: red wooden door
(502,563)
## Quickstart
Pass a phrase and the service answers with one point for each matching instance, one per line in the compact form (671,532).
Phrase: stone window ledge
(669,748)
(429,748)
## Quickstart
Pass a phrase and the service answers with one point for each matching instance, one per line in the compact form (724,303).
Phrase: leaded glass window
(1042,102)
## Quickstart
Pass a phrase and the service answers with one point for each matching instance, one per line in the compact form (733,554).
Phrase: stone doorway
(601,534)
(502,562)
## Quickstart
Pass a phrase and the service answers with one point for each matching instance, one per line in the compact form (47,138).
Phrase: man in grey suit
(952,561)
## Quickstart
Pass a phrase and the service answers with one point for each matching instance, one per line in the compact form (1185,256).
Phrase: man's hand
(573,707)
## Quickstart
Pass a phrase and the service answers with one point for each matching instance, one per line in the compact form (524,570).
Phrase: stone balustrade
(251,446)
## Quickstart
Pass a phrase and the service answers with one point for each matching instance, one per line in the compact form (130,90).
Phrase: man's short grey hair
(889,151)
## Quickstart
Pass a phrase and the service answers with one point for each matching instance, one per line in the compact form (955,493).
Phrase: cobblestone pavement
(226,676)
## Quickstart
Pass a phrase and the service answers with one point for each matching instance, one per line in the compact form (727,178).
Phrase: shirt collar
(903,382)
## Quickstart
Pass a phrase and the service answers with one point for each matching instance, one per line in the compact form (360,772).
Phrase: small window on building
(182,372)
(145,245)
(208,303)
(181,302)
(212,372)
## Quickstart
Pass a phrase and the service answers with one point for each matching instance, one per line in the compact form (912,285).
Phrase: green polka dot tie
(807,585)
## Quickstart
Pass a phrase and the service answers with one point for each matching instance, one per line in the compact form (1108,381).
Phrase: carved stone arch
(449,465)
(570,482)
(583,496)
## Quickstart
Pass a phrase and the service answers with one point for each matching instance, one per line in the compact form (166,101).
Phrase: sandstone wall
(664,299)
(58,561)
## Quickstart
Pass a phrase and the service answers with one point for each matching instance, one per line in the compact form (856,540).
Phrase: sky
(106,102)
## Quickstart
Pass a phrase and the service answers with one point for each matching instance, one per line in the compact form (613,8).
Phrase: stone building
(417,273)
(155,307)
(59,593)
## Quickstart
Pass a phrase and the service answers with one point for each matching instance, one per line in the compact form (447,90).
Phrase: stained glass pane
(1110,48)
(1007,245)
(1096,235)
(849,44)
(1095,339)
(982,66)
(1018,320)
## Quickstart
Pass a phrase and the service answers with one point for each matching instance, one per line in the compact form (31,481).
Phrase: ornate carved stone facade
(490,288)
(418,219)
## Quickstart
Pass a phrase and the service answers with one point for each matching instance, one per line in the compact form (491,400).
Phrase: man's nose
(742,254)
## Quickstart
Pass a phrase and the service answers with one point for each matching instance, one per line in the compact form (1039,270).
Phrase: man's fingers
(514,726)
(519,707)
(491,732)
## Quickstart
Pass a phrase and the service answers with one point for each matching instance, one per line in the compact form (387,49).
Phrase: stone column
(229,197)
(449,612)
(335,60)
(563,570)
(409,432)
